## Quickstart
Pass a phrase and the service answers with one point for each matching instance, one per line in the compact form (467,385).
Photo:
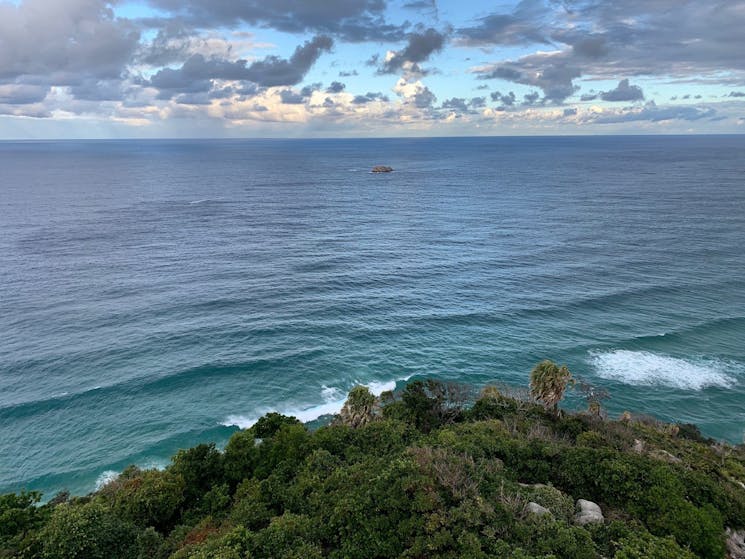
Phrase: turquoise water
(158,294)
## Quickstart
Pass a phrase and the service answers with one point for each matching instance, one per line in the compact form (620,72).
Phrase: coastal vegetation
(430,471)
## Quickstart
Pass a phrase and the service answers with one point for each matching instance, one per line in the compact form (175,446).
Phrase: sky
(358,68)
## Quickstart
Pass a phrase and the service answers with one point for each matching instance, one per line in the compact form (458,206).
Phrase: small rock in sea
(382,169)
(589,513)
(535,508)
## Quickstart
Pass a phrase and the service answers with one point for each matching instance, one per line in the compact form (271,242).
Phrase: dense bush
(425,472)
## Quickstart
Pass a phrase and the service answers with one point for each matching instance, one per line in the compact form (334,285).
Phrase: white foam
(105,478)
(333,397)
(646,368)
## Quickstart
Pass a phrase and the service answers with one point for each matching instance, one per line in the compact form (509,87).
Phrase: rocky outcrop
(589,513)
(735,544)
(535,508)
(382,169)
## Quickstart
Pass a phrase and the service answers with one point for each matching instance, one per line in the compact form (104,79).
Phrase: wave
(105,478)
(647,368)
(333,401)
(158,384)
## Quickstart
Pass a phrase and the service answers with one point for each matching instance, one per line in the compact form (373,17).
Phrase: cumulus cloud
(369,97)
(623,92)
(610,39)
(526,24)
(335,87)
(197,73)
(549,72)
(507,99)
(63,42)
(350,20)
(420,46)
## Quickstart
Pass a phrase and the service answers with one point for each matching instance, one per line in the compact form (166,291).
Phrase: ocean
(159,294)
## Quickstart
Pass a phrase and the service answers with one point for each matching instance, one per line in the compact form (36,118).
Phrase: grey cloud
(477,102)
(524,25)
(610,39)
(308,90)
(737,94)
(350,20)
(570,111)
(530,99)
(424,98)
(289,97)
(92,89)
(369,96)
(349,74)
(547,71)
(653,113)
(274,71)
(197,73)
(623,92)
(420,46)
(507,100)
(456,103)
(22,94)
(335,87)
(63,42)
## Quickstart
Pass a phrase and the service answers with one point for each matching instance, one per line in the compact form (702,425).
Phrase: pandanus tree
(548,382)
(360,408)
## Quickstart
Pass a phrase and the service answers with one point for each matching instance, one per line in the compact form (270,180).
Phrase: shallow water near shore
(158,294)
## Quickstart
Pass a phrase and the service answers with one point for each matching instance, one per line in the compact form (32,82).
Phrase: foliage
(87,531)
(359,409)
(548,382)
(434,473)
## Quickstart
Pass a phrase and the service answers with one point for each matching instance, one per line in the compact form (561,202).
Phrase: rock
(638,446)
(535,508)
(589,513)
(665,456)
(735,544)
(382,169)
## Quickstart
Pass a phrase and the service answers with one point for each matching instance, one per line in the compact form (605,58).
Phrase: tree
(90,531)
(360,408)
(548,382)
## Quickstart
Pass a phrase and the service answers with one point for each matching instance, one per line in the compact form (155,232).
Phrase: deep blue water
(154,294)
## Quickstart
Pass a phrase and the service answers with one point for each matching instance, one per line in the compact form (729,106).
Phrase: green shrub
(88,531)
(147,498)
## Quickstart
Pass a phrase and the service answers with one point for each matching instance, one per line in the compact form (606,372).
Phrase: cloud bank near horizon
(369,67)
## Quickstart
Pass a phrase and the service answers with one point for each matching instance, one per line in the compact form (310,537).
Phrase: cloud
(549,71)
(22,94)
(415,93)
(197,73)
(290,97)
(623,92)
(420,46)
(456,103)
(623,38)
(349,20)
(335,87)
(654,113)
(737,94)
(63,42)
(506,100)
(369,97)
(524,25)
